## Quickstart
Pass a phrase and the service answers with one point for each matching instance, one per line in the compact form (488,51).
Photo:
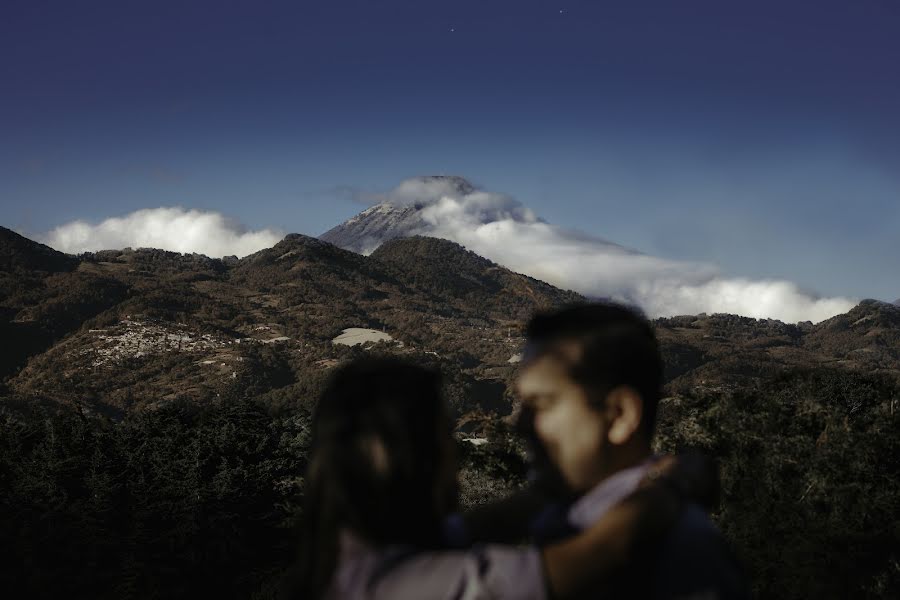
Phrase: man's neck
(620,481)
(625,457)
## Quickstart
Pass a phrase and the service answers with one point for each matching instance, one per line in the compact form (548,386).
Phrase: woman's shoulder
(479,573)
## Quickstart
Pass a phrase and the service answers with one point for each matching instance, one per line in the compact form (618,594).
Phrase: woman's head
(382,466)
(383,451)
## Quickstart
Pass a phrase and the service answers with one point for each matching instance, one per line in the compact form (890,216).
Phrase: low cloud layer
(502,229)
(175,229)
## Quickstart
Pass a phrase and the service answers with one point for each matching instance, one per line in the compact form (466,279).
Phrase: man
(590,386)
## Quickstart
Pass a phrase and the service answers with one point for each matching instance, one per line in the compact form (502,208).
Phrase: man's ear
(626,408)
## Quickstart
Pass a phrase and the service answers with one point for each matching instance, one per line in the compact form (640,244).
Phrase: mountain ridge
(433,295)
(203,373)
(377,224)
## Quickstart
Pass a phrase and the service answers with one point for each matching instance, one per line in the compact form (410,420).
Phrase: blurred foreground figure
(589,387)
(382,483)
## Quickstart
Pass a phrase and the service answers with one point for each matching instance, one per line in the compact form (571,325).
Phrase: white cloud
(761,299)
(500,228)
(503,230)
(167,228)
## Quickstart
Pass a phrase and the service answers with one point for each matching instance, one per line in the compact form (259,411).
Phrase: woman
(382,483)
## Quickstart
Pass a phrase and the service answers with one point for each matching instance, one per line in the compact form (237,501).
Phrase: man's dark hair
(618,347)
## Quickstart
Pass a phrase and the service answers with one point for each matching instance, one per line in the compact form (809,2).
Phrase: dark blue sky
(762,136)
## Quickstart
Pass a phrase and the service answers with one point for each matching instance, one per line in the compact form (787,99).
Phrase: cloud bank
(170,228)
(500,228)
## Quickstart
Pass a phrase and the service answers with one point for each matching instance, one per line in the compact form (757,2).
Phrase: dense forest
(154,413)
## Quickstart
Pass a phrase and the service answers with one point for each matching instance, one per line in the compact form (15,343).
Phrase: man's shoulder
(695,561)
(695,526)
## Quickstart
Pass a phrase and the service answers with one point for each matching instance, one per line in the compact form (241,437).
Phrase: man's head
(590,386)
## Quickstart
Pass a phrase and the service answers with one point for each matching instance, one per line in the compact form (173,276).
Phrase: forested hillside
(154,412)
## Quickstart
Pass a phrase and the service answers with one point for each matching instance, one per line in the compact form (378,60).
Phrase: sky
(759,137)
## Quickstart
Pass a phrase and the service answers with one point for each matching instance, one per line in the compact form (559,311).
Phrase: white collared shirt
(588,509)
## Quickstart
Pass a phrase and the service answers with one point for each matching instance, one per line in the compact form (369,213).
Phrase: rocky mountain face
(379,223)
(391,219)
(180,380)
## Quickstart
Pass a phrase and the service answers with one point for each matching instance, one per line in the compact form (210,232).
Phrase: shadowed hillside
(448,272)
(20,255)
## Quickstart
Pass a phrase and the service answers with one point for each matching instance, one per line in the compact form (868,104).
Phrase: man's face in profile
(572,432)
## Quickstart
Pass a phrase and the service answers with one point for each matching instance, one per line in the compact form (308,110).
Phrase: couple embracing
(603,517)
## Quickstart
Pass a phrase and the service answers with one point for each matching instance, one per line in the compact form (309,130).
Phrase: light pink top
(368,573)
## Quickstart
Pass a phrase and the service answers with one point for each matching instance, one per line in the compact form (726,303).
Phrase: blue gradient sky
(761,136)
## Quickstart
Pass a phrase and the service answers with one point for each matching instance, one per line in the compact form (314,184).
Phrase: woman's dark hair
(379,442)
